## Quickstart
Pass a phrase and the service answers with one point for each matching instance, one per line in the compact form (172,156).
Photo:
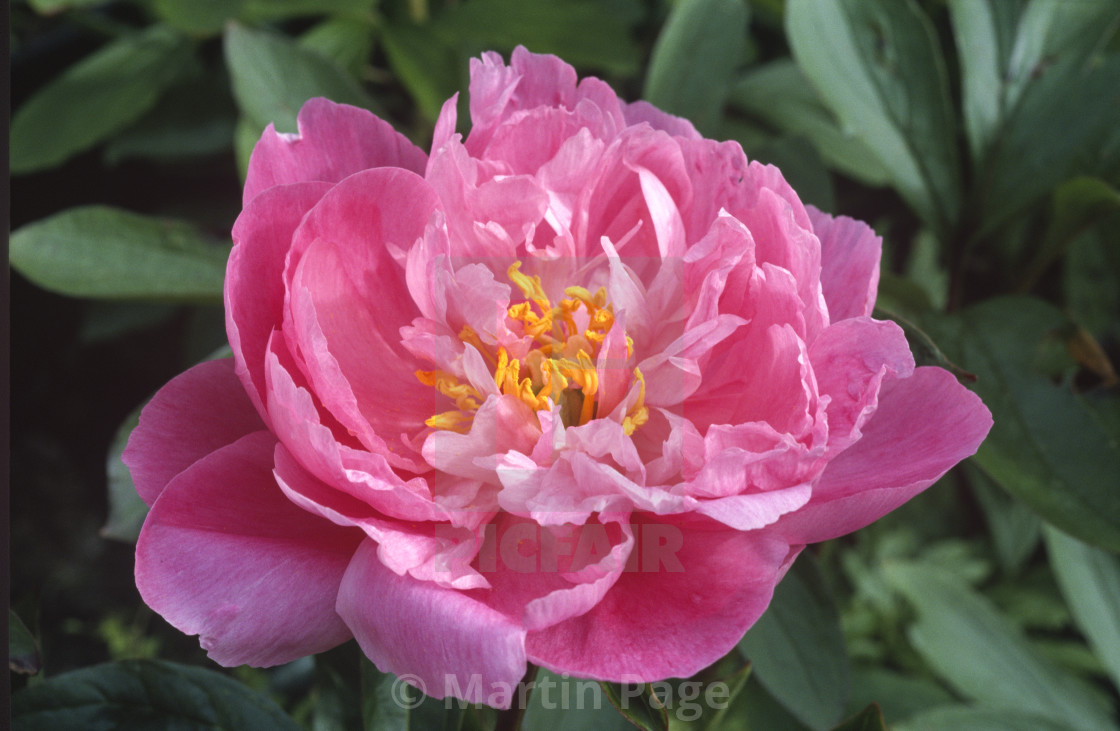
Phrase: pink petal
(851,358)
(695,591)
(543,575)
(850,252)
(427,551)
(348,300)
(254,291)
(223,554)
(642,111)
(196,413)
(334,141)
(924,425)
(430,633)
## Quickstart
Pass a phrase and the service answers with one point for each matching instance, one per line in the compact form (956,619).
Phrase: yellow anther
(639,413)
(466,397)
(531,287)
(455,421)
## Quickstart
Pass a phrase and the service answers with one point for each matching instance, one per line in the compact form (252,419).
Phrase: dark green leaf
(126,510)
(197,17)
(869,719)
(1077,205)
(23,650)
(95,98)
(1091,280)
(1046,448)
(385,699)
(899,696)
(1015,528)
(696,58)
(273,76)
(50,7)
(102,252)
(144,694)
(878,65)
(560,703)
(1090,582)
(265,10)
(345,41)
(797,648)
(582,32)
(193,119)
(780,95)
(638,704)
(1055,132)
(975,650)
(980,719)
(425,63)
(104,320)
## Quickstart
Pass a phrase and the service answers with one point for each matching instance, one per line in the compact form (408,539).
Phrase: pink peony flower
(575,390)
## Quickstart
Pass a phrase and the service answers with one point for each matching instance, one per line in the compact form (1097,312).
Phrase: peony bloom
(574,390)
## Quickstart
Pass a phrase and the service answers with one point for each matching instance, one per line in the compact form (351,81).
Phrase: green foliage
(144,694)
(96,98)
(102,252)
(797,649)
(979,137)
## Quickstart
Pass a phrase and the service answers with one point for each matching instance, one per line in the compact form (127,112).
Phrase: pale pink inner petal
(850,253)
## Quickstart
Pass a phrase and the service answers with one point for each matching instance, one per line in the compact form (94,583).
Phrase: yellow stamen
(639,413)
(455,421)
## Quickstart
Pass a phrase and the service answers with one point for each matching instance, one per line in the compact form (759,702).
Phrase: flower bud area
(560,367)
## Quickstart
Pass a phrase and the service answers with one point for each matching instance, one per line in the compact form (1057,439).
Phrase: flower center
(560,367)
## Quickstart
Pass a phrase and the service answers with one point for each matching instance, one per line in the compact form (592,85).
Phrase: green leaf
(51,7)
(103,252)
(1015,528)
(126,509)
(869,719)
(1055,132)
(979,719)
(23,650)
(976,651)
(1091,280)
(197,17)
(878,65)
(1045,448)
(266,10)
(643,709)
(797,648)
(144,694)
(696,58)
(560,703)
(345,41)
(95,98)
(425,63)
(780,95)
(1090,582)
(900,696)
(193,119)
(1077,205)
(272,77)
(582,32)
(385,699)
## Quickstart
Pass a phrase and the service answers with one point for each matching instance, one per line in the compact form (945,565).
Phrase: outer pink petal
(225,555)
(334,141)
(430,633)
(850,253)
(196,413)
(254,291)
(694,592)
(924,425)
(642,111)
